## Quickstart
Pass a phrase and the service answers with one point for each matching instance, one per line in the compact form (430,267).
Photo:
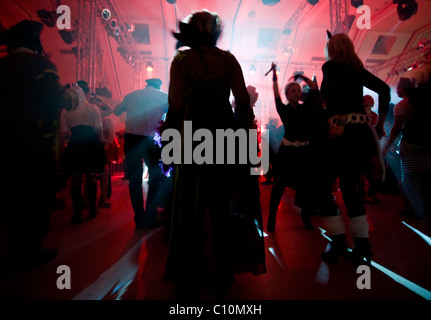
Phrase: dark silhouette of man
(145,109)
(30,100)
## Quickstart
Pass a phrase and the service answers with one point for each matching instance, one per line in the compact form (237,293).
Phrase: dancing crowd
(331,137)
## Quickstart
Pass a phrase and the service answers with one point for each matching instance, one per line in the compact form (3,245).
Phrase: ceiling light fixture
(113,24)
(130,27)
(414,66)
(288,51)
(357,3)
(406,8)
(106,14)
(287,32)
(150,67)
(270,2)
(117,31)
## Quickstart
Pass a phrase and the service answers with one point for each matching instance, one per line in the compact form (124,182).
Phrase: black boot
(274,201)
(92,199)
(109,186)
(270,227)
(76,195)
(338,248)
(361,253)
(305,216)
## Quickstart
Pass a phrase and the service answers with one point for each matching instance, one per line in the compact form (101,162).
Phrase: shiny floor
(108,260)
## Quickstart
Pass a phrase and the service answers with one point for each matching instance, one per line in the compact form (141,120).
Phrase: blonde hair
(341,49)
(290,85)
(75,96)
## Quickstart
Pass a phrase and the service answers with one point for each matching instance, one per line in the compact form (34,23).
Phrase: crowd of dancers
(215,225)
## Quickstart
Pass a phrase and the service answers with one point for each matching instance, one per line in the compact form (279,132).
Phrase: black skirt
(84,153)
(292,163)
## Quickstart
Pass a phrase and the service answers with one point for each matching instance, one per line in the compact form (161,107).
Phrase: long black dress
(209,212)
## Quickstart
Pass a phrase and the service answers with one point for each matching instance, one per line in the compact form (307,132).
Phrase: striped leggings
(416,178)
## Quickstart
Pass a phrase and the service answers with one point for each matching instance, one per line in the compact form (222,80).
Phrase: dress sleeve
(239,90)
(381,88)
(175,94)
(324,86)
(243,110)
(281,108)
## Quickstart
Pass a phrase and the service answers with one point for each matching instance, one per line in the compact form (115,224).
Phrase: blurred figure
(254,95)
(145,109)
(122,158)
(297,157)
(110,144)
(111,149)
(31,98)
(418,165)
(84,155)
(275,137)
(105,138)
(353,142)
(368,105)
(368,185)
(412,120)
(214,230)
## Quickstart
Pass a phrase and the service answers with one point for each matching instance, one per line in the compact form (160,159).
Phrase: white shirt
(86,114)
(145,109)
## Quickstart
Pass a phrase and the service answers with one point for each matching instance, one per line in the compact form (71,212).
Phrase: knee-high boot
(305,216)
(76,195)
(109,193)
(92,199)
(334,226)
(276,195)
(361,253)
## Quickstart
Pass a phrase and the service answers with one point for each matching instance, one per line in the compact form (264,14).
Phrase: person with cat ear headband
(353,145)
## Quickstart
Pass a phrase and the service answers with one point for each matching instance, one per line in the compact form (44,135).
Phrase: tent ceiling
(292,33)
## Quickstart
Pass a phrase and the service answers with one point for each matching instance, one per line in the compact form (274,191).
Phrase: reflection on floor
(108,259)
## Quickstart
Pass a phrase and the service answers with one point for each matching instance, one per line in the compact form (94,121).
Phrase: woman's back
(342,88)
(201,80)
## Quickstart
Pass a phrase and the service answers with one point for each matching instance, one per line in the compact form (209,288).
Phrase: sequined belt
(343,119)
(296,143)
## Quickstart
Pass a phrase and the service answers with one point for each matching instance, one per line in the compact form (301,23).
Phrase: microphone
(272,68)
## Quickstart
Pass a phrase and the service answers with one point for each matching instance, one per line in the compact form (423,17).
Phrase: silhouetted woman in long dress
(202,248)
